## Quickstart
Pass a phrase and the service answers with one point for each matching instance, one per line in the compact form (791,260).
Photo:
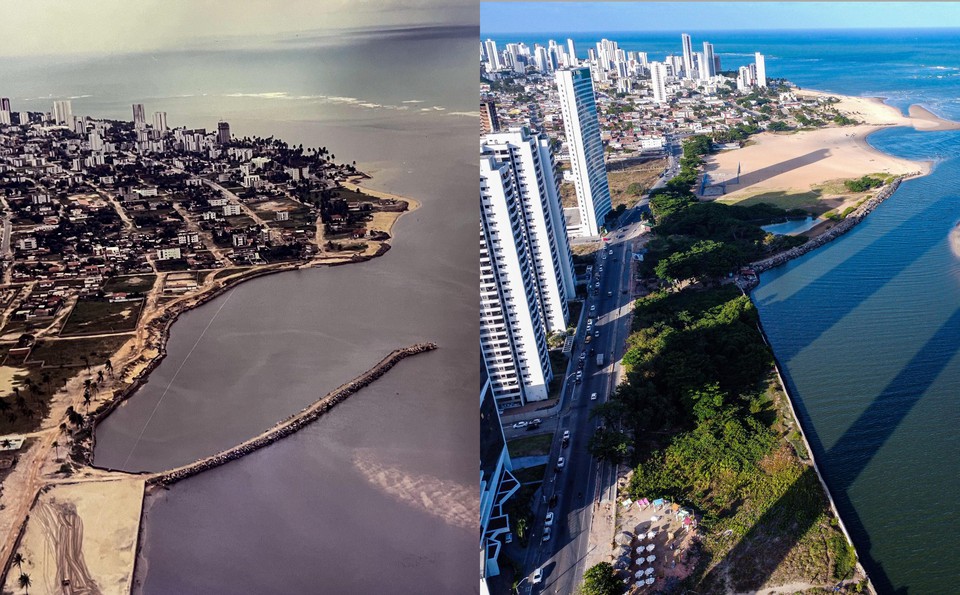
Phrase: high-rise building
(6,117)
(160,121)
(63,112)
(761,65)
(493,56)
(497,483)
(687,56)
(658,81)
(745,78)
(223,133)
(488,117)
(706,64)
(581,123)
(532,167)
(572,50)
(5,104)
(96,143)
(513,337)
(139,117)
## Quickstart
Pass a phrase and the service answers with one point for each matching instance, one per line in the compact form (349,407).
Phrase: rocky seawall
(294,422)
(833,233)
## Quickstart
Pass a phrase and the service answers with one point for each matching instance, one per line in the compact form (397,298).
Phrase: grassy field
(71,352)
(131,283)
(809,201)
(530,446)
(91,316)
(628,184)
(568,195)
(530,474)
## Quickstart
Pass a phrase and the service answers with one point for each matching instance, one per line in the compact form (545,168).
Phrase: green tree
(601,580)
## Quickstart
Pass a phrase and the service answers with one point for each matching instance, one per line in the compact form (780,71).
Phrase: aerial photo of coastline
(236,357)
(722,242)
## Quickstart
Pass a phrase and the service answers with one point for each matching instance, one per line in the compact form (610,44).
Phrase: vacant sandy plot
(84,533)
(7,381)
(794,163)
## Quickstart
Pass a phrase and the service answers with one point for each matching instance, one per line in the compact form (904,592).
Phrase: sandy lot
(85,533)
(7,374)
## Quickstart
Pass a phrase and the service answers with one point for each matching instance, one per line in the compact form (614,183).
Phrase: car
(597,285)
(546,534)
(508,538)
(593,396)
(596,333)
(520,424)
(566,435)
(548,520)
(588,339)
(601,268)
(560,463)
(611,252)
(609,294)
(593,308)
(537,576)
(579,374)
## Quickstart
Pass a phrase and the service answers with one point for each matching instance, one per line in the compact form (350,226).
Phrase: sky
(572,17)
(64,27)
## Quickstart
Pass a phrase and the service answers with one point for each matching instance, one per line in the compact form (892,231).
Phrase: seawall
(833,233)
(293,423)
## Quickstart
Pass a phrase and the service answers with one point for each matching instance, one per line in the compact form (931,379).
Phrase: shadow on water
(823,288)
(846,460)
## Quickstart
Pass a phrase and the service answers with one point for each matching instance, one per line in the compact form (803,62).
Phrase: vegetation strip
(294,422)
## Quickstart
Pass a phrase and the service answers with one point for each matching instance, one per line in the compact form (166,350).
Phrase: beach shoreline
(136,358)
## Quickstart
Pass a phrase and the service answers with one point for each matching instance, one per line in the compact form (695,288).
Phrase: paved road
(583,483)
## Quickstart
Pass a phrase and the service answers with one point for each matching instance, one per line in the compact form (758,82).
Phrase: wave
(334,99)
(469,114)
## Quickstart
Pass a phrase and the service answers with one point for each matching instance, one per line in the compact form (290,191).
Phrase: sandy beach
(83,533)
(805,169)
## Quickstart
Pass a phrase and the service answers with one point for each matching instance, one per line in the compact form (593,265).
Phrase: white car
(546,534)
(560,463)
(548,520)
(537,576)
(520,424)
(593,396)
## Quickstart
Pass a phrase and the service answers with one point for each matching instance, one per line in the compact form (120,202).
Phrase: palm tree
(25,582)
(18,559)
(56,448)
(86,399)
(99,375)
(109,367)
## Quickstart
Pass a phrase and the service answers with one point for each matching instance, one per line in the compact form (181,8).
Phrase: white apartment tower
(63,112)
(532,167)
(687,56)
(493,56)
(707,68)
(160,121)
(139,116)
(513,337)
(582,126)
(658,81)
(572,50)
(761,70)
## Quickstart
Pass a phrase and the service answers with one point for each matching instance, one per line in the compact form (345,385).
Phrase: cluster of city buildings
(85,199)
(543,123)
(623,70)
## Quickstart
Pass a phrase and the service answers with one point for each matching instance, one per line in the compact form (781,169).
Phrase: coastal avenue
(583,483)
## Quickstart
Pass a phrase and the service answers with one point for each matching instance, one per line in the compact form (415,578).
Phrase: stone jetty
(294,422)
(836,231)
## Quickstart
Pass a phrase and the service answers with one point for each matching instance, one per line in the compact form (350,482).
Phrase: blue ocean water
(867,328)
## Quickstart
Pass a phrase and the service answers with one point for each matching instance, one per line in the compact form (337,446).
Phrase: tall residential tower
(687,56)
(582,126)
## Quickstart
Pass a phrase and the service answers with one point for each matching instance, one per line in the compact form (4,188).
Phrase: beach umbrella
(640,550)
(651,534)
(648,571)
(651,580)
(639,574)
(650,547)
(651,558)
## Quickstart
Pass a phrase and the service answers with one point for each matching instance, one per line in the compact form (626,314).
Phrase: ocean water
(380,494)
(868,328)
